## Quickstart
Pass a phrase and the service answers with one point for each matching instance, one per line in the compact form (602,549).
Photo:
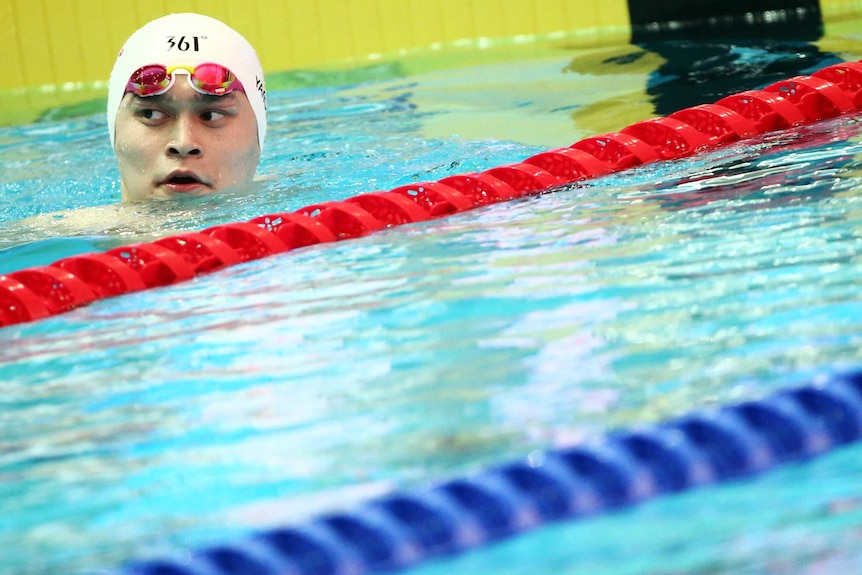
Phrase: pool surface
(310,381)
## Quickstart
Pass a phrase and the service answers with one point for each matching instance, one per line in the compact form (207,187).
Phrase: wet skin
(184,142)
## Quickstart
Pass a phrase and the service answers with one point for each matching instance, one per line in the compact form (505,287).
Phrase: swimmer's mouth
(182,181)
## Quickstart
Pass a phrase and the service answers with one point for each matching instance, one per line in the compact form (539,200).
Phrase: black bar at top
(775,19)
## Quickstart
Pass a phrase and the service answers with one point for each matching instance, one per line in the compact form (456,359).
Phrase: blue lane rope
(403,529)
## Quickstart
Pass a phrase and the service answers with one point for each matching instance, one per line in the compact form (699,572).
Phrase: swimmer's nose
(183,142)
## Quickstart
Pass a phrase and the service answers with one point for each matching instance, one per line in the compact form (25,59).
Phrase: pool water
(316,379)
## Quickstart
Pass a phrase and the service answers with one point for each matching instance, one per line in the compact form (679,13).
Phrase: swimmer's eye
(213,115)
(151,114)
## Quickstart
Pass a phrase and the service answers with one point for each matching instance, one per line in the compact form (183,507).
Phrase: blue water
(312,380)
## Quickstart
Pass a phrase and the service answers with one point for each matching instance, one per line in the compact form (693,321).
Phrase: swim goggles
(208,78)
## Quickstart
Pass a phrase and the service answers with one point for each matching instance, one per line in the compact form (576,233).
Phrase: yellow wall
(840,17)
(832,9)
(61,51)
(54,41)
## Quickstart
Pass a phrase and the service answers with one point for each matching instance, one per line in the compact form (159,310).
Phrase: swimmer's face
(184,142)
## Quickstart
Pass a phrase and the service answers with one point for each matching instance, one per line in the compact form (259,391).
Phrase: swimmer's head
(186,41)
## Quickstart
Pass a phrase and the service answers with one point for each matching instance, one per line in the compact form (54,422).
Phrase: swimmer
(186,108)
(186,116)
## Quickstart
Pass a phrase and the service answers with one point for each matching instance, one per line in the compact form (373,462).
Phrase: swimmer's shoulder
(136,222)
(90,220)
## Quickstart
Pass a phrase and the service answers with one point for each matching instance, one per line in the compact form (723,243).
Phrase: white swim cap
(189,40)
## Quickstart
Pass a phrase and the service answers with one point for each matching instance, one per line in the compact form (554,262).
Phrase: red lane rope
(44,291)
